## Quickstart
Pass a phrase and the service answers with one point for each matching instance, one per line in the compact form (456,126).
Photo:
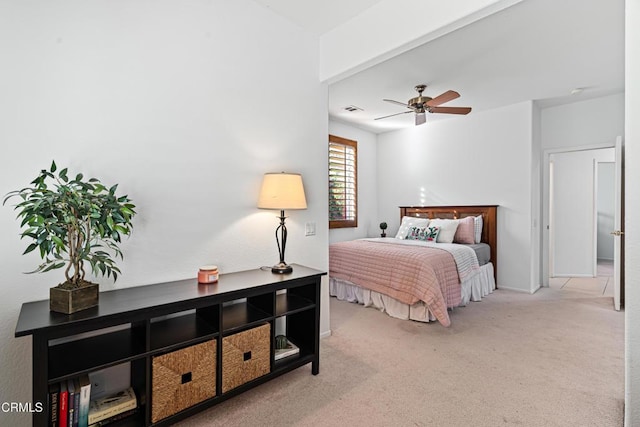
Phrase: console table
(147,322)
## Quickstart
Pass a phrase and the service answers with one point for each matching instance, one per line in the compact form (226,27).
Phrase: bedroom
(134,85)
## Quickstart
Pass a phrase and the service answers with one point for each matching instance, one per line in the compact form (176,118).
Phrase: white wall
(368,220)
(573,222)
(632,212)
(186,105)
(583,123)
(480,159)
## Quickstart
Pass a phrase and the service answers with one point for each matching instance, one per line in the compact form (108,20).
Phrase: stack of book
(112,408)
(69,402)
(71,405)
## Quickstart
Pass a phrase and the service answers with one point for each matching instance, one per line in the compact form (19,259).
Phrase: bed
(415,278)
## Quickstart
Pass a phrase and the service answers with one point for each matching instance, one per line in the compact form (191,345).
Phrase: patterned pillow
(478,228)
(427,234)
(465,233)
(408,222)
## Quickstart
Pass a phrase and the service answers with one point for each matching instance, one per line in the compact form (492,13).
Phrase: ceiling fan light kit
(423,104)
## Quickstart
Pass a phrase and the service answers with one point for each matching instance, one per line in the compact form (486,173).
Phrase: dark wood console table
(157,319)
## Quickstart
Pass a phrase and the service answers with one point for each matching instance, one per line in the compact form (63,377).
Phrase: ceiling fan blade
(404,104)
(420,118)
(391,115)
(450,110)
(445,97)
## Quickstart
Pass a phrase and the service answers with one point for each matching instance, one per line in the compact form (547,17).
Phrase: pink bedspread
(406,273)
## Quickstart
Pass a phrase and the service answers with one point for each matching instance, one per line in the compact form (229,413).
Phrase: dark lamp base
(281,268)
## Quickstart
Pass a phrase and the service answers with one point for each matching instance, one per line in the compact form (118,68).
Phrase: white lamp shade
(282,191)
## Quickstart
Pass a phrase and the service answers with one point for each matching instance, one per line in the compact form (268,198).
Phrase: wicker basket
(182,378)
(245,356)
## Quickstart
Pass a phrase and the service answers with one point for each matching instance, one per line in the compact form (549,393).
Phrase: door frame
(546,192)
(596,175)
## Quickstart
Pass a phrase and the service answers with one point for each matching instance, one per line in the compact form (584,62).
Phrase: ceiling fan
(422,104)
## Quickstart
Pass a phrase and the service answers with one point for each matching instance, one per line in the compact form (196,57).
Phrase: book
(76,401)
(72,402)
(54,391)
(63,399)
(109,406)
(85,399)
(289,350)
(115,418)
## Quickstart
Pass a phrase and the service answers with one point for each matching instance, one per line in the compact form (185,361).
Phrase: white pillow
(408,222)
(448,229)
(477,223)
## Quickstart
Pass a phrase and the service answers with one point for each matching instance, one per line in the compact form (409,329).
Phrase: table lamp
(282,191)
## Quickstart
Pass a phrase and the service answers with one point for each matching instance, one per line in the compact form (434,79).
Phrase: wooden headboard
(489,222)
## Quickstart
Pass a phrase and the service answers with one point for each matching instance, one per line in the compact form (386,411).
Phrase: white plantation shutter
(343,188)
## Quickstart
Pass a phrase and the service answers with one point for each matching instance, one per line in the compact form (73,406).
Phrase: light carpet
(555,358)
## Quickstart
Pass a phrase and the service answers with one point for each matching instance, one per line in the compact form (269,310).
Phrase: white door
(573,230)
(618,233)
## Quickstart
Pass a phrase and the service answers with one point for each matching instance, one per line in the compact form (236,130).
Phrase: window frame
(345,223)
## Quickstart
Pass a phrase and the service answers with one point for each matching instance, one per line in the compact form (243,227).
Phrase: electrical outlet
(310,229)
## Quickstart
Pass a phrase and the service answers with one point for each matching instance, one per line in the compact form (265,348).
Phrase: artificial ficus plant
(73,221)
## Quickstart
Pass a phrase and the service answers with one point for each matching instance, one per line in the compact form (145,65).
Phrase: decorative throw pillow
(447,229)
(478,228)
(408,222)
(427,234)
(465,233)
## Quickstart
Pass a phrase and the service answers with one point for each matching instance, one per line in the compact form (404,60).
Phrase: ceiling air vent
(352,108)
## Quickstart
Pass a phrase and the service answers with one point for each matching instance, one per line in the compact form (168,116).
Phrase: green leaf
(30,248)
(58,241)
(53,166)
(53,266)
(79,177)
(121,229)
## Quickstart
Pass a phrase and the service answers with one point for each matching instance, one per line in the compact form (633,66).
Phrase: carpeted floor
(550,359)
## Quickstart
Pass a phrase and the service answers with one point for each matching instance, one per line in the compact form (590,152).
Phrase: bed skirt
(473,289)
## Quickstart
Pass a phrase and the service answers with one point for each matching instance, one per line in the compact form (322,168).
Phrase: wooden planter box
(69,301)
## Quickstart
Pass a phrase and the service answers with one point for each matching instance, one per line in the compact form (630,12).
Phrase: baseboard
(325,334)
(524,291)
(589,276)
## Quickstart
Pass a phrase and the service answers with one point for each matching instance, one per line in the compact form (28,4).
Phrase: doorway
(605,216)
(578,208)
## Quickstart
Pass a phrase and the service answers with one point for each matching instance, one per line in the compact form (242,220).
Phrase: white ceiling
(319,16)
(534,50)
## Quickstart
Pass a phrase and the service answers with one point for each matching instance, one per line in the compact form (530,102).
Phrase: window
(343,188)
